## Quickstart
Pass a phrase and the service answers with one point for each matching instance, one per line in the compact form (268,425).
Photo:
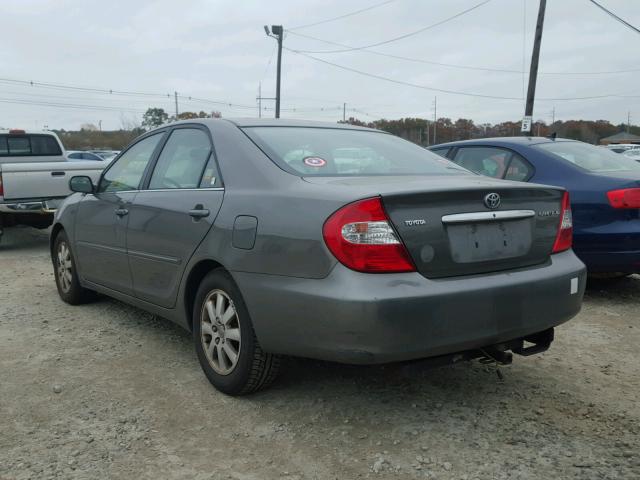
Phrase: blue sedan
(604,189)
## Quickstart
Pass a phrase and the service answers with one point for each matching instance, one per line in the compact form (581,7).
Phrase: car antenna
(553,135)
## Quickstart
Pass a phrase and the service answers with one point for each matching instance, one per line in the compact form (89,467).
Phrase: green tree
(154,117)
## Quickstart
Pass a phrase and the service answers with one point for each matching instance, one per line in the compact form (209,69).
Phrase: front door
(102,218)
(170,217)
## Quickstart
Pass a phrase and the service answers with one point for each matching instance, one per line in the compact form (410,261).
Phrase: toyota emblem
(492,200)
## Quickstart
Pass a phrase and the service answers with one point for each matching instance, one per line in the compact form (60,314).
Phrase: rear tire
(225,341)
(64,270)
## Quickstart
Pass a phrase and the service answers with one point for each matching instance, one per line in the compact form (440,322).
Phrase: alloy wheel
(220,332)
(65,267)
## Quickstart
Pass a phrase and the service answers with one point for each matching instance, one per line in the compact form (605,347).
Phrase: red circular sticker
(314,161)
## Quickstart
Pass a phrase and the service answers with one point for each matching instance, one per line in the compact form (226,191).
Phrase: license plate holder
(485,241)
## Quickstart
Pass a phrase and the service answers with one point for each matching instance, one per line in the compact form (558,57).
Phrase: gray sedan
(270,238)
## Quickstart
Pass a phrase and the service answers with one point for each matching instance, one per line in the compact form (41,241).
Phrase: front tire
(66,274)
(225,341)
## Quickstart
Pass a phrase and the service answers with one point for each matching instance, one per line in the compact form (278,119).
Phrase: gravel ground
(108,391)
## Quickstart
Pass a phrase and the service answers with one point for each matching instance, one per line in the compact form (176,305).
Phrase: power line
(58,86)
(453,65)
(68,105)
(400,82)
(452,92)
(162,98)
(406,35)
(362,10)
(410,59)
(266,69)
(616,17)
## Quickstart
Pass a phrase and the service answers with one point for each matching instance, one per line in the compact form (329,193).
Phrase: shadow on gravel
(17,239)
(625,289)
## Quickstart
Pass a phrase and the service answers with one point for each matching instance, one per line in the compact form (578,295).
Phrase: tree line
(426,132)
(418,130)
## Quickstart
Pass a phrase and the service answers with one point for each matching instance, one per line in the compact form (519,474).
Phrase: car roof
(505,141)
(272,122)
(7,131)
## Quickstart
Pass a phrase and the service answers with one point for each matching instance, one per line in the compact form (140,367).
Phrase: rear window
(309,151)
(28,145)
(588,157)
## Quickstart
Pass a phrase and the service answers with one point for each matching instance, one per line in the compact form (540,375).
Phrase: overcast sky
(218,50)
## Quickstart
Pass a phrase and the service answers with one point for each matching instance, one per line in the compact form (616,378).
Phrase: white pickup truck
(34,177)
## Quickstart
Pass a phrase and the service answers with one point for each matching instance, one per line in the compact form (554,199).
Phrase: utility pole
(277,32)
(435,118)
(533,71)
(175,95)
(344,112)
(553,115)
(259,99)
(628,122)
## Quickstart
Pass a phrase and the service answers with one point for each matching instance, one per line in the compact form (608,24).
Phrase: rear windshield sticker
(314,161)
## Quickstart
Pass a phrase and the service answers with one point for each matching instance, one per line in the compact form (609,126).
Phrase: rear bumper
(361,318)
(613,247)
(600,262)
(30,206)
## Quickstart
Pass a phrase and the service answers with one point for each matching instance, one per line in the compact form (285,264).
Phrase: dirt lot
(108,391)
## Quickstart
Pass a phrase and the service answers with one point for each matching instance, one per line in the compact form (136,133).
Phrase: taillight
(564,238)
(625,198)
(361,237)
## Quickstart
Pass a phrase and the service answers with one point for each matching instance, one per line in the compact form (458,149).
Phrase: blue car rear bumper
(610,248)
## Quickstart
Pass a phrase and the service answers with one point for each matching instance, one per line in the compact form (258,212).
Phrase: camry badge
(492,200)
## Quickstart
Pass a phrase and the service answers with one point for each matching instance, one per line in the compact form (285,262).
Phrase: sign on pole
(526,124)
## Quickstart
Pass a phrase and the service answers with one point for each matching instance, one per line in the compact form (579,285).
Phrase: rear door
(101,220)
(169,217)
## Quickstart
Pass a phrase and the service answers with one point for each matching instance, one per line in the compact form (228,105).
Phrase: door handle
(58,174)
(121,212)
(199,211)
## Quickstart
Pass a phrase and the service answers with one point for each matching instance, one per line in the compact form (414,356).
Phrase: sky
(216,54)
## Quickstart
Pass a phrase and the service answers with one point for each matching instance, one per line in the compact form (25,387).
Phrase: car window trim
(162,131)
(212,153)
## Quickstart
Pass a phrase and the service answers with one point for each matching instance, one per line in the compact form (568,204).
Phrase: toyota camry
(272,238)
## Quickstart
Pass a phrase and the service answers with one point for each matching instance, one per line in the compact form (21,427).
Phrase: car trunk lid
(449,229)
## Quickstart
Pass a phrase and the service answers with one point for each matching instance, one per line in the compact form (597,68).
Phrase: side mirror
(82,184)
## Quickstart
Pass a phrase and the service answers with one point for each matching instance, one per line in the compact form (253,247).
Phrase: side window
(441,151)
(127,172)
(182,160)
(91,156)
(74,156)
(489,161)
(519,169)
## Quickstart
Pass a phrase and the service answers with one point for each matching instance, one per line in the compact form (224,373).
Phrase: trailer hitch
(541,342)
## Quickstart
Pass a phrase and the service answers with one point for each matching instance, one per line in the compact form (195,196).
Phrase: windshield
(323,152)
(588,157)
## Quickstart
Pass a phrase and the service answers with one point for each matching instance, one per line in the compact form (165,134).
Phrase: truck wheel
(64,266)
(225,341)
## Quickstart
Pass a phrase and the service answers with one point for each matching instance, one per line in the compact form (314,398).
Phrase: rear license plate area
(485,241)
